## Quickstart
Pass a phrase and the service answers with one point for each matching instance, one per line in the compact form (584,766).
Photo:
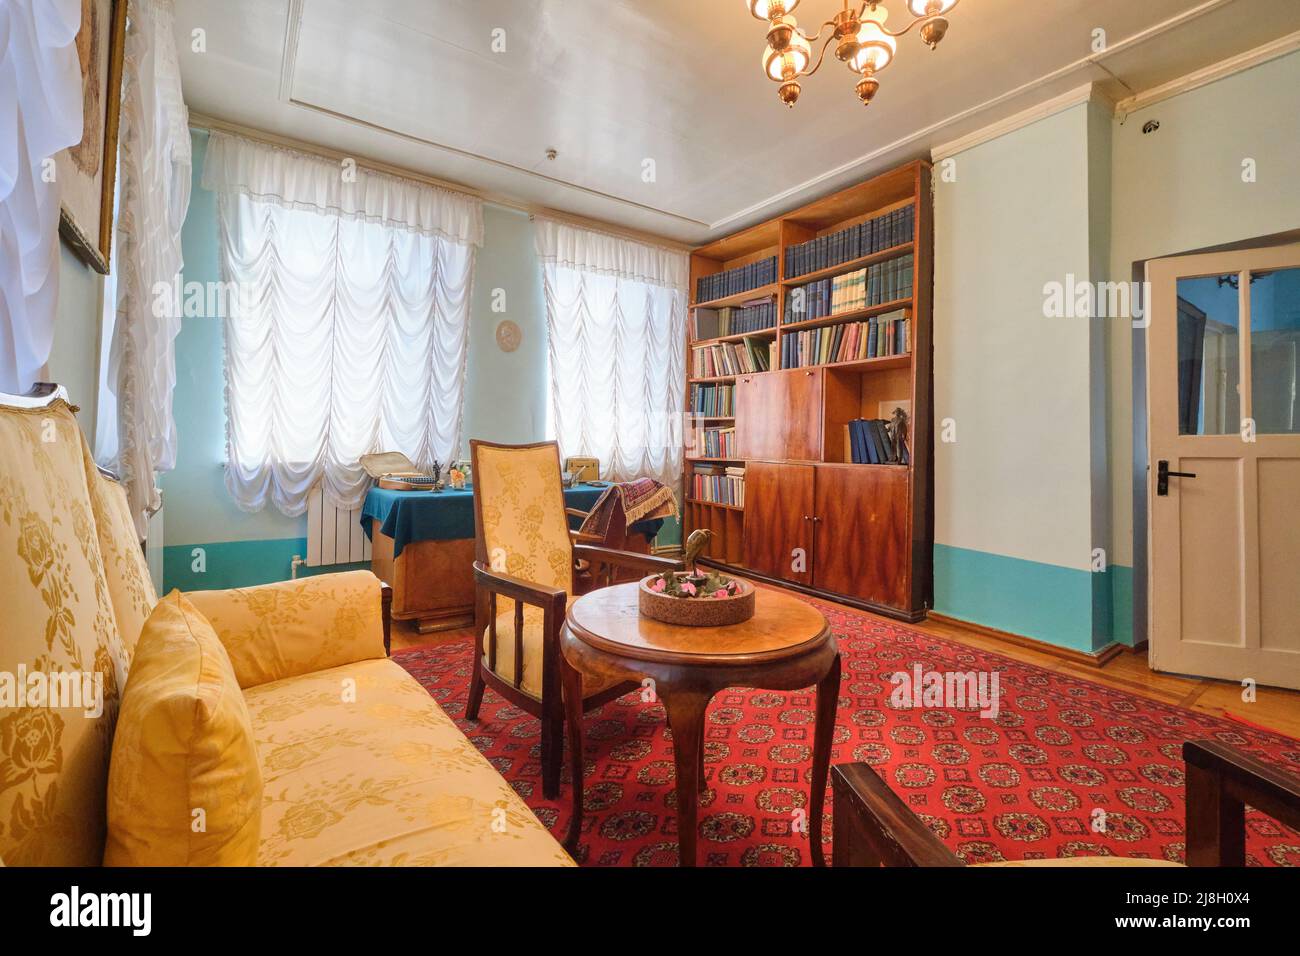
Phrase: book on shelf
(877,337)
(867,238)
(718,484)
(729,358)
(736,281)
(881,282)
(732,320)
(868,442)
(714,442)
(708,400)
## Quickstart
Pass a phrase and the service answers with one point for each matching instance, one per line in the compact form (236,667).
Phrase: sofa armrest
(289,628)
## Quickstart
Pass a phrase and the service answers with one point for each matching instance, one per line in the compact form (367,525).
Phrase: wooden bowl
(696,612)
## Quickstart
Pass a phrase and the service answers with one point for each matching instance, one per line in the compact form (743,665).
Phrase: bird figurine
(696,542)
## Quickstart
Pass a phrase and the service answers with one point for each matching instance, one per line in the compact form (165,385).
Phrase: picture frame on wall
(87,172)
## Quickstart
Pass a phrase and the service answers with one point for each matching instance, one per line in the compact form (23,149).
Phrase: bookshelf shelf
(739,298)
(867,365)
(738,337)
(852,316)
(866,529)
(853,265)
(713,504)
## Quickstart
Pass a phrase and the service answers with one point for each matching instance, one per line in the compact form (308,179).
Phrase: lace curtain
(137,435)
(616,314)
(347,321)
(40,114)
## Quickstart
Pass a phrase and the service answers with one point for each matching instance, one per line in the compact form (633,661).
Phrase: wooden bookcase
(861,534)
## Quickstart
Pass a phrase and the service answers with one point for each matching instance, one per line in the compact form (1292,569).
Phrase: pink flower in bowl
(658,584)
(721,593)
(688,588)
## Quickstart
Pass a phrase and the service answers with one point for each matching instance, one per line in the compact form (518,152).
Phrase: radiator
(334,536)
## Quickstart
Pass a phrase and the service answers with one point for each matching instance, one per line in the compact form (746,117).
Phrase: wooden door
(860,540)
(779,415)
(1223,400)
(778,520)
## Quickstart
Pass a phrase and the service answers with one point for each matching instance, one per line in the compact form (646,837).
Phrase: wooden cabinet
(778,520)
(779,415)
(861,542)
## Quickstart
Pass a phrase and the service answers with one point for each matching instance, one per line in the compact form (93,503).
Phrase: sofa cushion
(362,767)
(185,785)
(281,630)
(129,586)
(57,619)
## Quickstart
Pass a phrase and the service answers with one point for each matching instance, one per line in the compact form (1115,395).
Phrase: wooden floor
(1277,710)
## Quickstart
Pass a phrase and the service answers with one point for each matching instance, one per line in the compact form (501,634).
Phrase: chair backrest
(59,632)
(520,526)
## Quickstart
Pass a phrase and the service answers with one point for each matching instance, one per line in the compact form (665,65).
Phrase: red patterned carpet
(1024,785)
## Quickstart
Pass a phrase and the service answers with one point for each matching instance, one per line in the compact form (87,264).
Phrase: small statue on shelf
(438,483)
(898,435)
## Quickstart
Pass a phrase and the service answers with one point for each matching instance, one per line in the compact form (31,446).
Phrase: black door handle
(1163,474)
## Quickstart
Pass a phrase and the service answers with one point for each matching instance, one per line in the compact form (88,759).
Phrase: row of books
(715,483)
(870,443)
(730,358)
(864,239)
(732,320)
(879,336)
(887,281)
(713,401)
(715,442)
(735,281)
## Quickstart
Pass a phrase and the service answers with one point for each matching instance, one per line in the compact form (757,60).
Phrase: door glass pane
(1209,363)
(1274,347)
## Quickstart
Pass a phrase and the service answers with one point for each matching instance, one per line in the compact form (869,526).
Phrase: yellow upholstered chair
(524,552)
(873,827)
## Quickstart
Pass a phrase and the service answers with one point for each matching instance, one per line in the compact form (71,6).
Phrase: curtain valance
(298,180)
(598,252)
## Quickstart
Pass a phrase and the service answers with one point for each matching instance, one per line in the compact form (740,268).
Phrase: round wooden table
(786,645)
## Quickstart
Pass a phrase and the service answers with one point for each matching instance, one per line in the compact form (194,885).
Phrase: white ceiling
(610,84)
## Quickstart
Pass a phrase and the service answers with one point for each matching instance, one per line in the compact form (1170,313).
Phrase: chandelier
(862,41)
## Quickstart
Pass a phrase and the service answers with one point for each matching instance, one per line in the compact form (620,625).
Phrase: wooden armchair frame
(491,584)
(873,827)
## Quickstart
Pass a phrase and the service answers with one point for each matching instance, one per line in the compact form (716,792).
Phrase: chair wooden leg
(552,746)
(572,680)
(475,691)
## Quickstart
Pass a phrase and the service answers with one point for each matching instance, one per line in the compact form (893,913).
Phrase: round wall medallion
(508,336)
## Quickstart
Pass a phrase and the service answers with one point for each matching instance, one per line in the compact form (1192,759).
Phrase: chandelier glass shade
(862,40)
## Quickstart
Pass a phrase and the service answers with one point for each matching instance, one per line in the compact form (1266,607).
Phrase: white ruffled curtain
(40,114)
(616,314)
(154,167)
(348,320)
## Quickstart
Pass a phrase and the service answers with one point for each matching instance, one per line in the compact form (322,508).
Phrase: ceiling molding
(1080,94)
(289,58)
(1210,74)
(201,121)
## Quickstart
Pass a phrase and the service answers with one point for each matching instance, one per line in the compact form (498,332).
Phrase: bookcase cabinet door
(779,415)
(778,509)
(861,541)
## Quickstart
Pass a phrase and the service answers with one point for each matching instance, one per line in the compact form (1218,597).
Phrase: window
(346,321)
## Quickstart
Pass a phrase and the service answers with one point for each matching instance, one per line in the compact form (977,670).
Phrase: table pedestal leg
(828,692)
(571,680)
(686,720)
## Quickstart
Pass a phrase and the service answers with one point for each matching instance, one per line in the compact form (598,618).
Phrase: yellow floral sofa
(359,764)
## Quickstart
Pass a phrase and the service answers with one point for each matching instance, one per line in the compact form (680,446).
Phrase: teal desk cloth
(407,516)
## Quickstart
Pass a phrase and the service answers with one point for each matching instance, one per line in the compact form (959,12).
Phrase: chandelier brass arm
(863,42)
